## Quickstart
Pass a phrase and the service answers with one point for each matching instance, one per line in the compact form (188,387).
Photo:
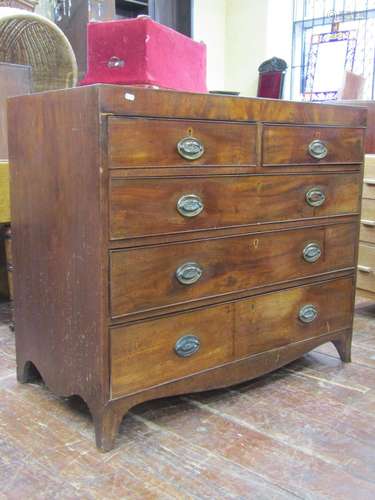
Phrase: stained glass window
(313,19)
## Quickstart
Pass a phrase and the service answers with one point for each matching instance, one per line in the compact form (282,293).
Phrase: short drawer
(368,221)
(144,207)
(139,142)
(272,320)
(366,267)
(154,277)
(157,351)
(306,145)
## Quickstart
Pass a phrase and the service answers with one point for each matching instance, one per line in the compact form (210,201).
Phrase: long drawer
(151,206)
(306,145)
(366,267)
(140,142)
(166,349)
(153,277)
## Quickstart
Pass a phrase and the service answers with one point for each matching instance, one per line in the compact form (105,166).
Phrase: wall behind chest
(240,35)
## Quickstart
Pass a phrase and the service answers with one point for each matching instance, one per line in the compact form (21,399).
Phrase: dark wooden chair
(271,78)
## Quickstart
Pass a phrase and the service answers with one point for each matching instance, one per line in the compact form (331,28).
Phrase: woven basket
(20,4)
(30,39)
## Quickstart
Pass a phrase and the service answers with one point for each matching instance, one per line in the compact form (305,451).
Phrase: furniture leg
(107,422)
(344,347)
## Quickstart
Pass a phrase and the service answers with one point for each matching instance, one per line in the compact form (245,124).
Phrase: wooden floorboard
(306,431)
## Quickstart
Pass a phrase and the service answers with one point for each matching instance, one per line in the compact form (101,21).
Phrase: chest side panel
(56,190)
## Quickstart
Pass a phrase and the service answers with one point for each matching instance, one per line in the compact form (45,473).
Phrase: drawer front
(173,143)
(158,351)
(158,276)
(370,166)
(143,207)
(366,267)
(305,145)
(368,221)
(154,352)
(369,187)
(276,319)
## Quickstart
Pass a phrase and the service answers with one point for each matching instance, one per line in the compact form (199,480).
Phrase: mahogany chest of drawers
(167,243)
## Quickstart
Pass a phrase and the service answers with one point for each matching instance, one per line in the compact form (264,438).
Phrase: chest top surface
(138,101)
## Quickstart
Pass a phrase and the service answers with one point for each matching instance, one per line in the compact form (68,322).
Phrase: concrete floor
(305,431)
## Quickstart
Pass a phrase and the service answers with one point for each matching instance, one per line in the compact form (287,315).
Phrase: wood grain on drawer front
(145,278)
(368,221)
(143,354)
(366,267)
(289,145)
(141,207)
(272,320)
(146,142)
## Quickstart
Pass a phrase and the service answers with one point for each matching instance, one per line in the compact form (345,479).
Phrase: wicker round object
(20,4)
(33,40)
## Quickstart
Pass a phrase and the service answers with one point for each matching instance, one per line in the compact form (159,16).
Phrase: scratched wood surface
(306,431)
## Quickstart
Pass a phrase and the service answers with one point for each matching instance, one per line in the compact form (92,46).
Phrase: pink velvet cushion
(143,52)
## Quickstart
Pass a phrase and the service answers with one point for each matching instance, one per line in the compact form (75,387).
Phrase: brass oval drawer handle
(364,269)
(318,149)
(315,197)
(189,273)
(187,346)
(308,313)
(369,182)
(370,223)
(190,205)
(312,252)
(190,148)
